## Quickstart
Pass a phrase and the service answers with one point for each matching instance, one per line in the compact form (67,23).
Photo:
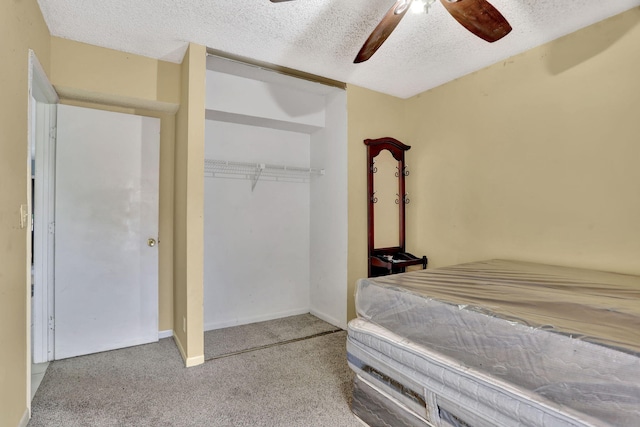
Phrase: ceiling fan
(477,16)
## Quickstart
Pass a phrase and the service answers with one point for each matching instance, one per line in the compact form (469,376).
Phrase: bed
(497,343)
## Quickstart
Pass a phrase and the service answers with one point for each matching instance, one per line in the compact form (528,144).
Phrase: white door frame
(43,101)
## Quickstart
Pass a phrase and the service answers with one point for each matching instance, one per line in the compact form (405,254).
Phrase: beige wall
(96,77)
(189,209)
(23,28)
(370,115)
(85,72)
(535,158)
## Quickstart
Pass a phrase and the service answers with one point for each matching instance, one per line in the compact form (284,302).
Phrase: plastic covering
(568,340)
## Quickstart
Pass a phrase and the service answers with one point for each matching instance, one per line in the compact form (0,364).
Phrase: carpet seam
(262,347)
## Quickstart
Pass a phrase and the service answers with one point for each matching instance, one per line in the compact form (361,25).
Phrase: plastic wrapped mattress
(497,343)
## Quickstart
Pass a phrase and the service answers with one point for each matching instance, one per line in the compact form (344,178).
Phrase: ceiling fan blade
(384,29)
(479,17)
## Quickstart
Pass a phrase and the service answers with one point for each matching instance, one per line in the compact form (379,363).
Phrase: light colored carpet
(301,383)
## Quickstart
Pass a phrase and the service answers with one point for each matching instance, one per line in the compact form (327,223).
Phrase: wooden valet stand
(393,259)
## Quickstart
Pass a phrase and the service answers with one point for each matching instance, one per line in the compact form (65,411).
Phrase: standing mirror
(387,199)
(386,215)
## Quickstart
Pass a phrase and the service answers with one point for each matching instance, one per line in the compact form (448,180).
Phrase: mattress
(498,343)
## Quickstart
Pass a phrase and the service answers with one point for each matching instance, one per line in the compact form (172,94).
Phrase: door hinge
(51,323)
(52,227)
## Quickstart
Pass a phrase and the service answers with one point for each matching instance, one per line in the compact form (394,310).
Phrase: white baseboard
(25,419)
(165,334)
(329,319)
(253,319)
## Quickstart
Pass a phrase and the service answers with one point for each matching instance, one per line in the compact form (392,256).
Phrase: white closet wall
(328,226)
(256,241)
(279,249)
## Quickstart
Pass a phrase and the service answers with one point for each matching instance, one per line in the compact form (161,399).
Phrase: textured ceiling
(322,37)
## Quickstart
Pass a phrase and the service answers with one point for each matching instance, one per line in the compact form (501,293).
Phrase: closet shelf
(255,171)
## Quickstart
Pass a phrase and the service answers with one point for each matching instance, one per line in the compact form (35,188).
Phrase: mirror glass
(386,212)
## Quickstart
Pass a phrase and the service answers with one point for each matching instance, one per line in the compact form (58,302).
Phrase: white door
(106,225)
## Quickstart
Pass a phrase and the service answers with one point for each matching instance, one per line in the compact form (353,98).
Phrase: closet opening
(275,203)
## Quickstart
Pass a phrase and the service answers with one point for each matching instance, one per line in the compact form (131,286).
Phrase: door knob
(151,242)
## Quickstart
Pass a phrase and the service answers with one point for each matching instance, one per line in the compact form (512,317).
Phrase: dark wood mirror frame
(395,259)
